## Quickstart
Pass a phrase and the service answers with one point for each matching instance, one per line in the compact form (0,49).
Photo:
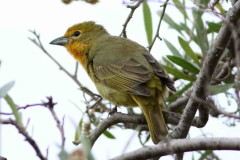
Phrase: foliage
(193,31)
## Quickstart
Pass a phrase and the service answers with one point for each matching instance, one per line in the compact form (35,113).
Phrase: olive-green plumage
(123,71)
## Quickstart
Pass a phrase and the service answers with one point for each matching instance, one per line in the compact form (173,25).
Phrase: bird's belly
(116,97)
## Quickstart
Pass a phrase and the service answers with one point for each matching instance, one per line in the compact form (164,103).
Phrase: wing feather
(160,72)
(128,76)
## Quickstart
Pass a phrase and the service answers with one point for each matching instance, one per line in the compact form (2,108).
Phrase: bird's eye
(76,34)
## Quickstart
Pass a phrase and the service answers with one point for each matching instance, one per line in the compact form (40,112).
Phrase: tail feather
(152,111)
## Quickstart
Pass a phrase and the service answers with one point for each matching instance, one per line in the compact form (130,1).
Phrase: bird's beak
(62,41)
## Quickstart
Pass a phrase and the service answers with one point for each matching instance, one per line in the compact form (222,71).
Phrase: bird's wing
(160,72)
(126,76)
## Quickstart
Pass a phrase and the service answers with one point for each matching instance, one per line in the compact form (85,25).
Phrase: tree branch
(170,118)
(3,158)
(182,145)
(202,82)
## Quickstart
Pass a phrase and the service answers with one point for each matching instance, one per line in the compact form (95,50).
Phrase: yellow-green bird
(124,72)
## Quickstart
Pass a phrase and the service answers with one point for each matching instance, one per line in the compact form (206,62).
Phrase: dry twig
(159,25)
(28,138)
(133,8)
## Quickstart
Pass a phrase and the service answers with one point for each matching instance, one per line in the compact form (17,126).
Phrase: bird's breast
(79,52)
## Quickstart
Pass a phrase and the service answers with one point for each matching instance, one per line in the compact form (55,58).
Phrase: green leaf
(175,26)
(179,93)
(172,48)
(181,7)
(109,135)
(213,27)
(167,62)
(216,89)
(78,131)
(188,50)
(4,89)
(147,21)
(184,89)
(177,73)
(201,2)
(14,109)
(220,8)
(201,31)
(76,106)
(184,64)
(171,23)
(189,32)
(185,28)
(205,154)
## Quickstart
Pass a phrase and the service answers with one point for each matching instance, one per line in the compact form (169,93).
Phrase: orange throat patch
(79,52)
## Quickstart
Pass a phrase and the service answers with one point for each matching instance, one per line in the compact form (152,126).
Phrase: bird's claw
(114,110)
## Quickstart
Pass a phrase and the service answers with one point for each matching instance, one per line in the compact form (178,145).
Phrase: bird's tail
(152,110)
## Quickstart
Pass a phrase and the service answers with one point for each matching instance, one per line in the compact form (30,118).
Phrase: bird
(123,71)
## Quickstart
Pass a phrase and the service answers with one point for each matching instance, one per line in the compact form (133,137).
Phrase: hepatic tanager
(124,72)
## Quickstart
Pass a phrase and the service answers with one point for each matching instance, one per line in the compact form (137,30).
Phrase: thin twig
(27,106)
(50,105)
(39,44)
(29,139)
(76,69)
(5,114)
(133,8)
(59,126)
(95,104)
(159,25)
(30,105)
(228,114)
(214,3)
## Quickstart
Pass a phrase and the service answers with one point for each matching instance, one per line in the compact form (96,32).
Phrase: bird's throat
(79,52)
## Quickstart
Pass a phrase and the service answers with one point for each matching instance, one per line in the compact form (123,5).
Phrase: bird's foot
(114,110)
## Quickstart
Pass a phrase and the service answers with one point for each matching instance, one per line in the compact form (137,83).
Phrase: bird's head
(80,33)
(79,38)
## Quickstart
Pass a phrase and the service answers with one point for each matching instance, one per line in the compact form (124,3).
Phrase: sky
(36,76)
